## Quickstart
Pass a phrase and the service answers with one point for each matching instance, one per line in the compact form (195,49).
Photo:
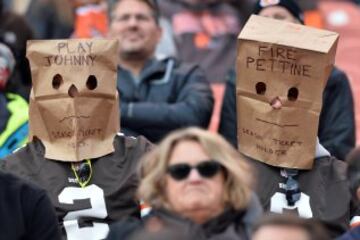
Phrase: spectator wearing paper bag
(336,124)
(75,153)
(279,91)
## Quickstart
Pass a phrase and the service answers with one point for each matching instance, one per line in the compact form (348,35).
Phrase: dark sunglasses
(206,169)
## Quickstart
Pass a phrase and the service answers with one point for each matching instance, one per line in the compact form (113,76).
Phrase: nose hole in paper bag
(276,103)
(73,92)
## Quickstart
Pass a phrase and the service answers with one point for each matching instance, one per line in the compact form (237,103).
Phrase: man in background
(156,96)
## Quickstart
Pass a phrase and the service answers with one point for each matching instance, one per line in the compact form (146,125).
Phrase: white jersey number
(97,210)
(278,204)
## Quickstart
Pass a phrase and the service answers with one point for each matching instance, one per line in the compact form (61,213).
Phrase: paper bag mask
(290,62)
(74,104)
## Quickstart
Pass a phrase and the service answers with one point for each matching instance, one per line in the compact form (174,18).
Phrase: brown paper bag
(292,62)
(74,108)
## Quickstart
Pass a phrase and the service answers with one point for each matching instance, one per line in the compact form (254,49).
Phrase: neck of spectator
(134,62)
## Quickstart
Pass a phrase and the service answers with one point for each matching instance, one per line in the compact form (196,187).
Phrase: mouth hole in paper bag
(57,81)
(91,82)
(260,88)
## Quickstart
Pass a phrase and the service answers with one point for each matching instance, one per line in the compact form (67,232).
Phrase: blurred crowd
(174,171)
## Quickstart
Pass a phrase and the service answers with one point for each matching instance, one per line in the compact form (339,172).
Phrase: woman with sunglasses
(197,183)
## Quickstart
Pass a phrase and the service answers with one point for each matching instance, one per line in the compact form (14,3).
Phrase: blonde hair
(154,166)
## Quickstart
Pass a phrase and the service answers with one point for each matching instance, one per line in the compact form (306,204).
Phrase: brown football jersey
(85,212)
(323,192)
